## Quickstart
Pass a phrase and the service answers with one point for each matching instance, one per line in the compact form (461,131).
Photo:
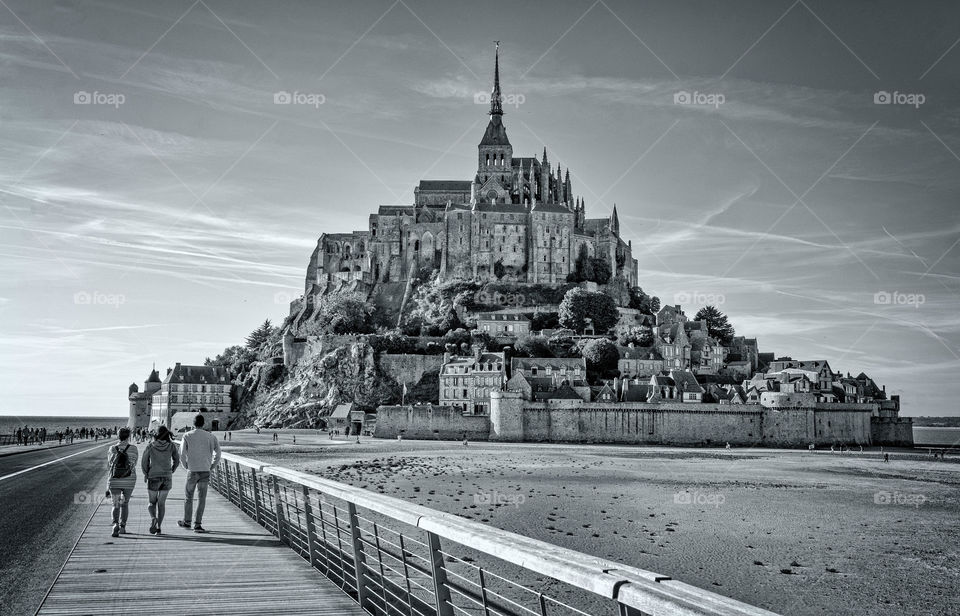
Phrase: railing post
(440,591)
(256,496)
(239,476)
(358,560)
(483,593)
(308,514)
(226,479)
(278,507)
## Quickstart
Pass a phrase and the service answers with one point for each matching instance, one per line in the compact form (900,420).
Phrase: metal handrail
(335,539)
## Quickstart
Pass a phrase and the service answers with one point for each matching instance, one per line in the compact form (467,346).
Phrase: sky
(794,162)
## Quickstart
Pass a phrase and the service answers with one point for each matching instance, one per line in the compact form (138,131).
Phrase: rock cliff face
(313,387)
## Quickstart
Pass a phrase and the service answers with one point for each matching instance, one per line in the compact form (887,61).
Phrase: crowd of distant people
(30,436)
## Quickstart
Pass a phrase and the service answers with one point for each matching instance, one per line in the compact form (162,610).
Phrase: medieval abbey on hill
(517,220)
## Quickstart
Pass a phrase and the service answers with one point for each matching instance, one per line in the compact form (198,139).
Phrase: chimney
(169,370)
(446,357)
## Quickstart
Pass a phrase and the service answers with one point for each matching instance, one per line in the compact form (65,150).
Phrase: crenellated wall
(573,421)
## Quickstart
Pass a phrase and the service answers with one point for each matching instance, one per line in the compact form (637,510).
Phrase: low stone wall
(430,422)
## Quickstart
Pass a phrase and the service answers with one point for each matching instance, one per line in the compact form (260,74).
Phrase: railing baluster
(543,604)
(358,557)
(278,507)
(343,564)
(383,578)
(256,497)
(224,475)
(483,593)
(323,538)
(308,515)
(440,591)
(239,476)
(406,575)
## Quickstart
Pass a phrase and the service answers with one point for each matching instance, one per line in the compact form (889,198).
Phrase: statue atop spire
(496,99)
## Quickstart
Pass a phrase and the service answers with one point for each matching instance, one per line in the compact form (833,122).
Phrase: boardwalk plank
(237,568)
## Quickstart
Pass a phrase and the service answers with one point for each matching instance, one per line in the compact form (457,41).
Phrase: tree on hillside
(346,313)
(542,319)
(601,356)
(259,336)
(532,346)
(601,270)
(717,324)
(639,336)
(579,305)
(237,359)
(646,304)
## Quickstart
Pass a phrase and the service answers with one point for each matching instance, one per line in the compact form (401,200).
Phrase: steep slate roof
(496,134)
(555,208)
(639,352)
(198,374)
(342,411)
(564,392)
(686,381)
(469,360)
(500,316)
(445,185)
(526,363)
(636,392)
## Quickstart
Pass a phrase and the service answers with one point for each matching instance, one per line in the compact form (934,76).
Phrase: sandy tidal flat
(793,532)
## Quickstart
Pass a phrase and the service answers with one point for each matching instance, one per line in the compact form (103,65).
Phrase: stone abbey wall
(430,422)
(571,421)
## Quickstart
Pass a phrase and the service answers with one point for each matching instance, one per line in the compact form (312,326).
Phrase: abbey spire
(496,99)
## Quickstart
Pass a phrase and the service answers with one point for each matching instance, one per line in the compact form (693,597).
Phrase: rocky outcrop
(308,391)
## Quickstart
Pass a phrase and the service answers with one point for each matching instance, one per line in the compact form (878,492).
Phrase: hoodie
(160,459)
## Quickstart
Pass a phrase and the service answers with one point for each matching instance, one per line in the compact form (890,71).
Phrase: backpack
(121,464)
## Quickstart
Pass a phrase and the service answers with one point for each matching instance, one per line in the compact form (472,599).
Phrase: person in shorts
(122,478)
(160,461)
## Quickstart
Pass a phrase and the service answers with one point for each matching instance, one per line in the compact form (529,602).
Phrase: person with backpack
(160,462)
(122,465)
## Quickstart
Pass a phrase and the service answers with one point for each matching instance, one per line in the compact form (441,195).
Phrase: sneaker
(183,524)
(153,527)
(158,529)
(116,531)
(123,529)
(198,529)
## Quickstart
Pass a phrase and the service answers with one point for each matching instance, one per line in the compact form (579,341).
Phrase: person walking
(122,466)
(199,453)
(159,463)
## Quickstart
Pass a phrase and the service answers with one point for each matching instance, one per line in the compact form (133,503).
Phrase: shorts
(156,484)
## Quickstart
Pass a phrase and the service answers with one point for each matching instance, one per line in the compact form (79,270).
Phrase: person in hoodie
(160,460)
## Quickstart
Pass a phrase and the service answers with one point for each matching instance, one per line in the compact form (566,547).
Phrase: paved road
(42,512)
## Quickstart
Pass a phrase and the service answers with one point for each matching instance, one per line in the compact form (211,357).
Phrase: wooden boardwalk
(235,568)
